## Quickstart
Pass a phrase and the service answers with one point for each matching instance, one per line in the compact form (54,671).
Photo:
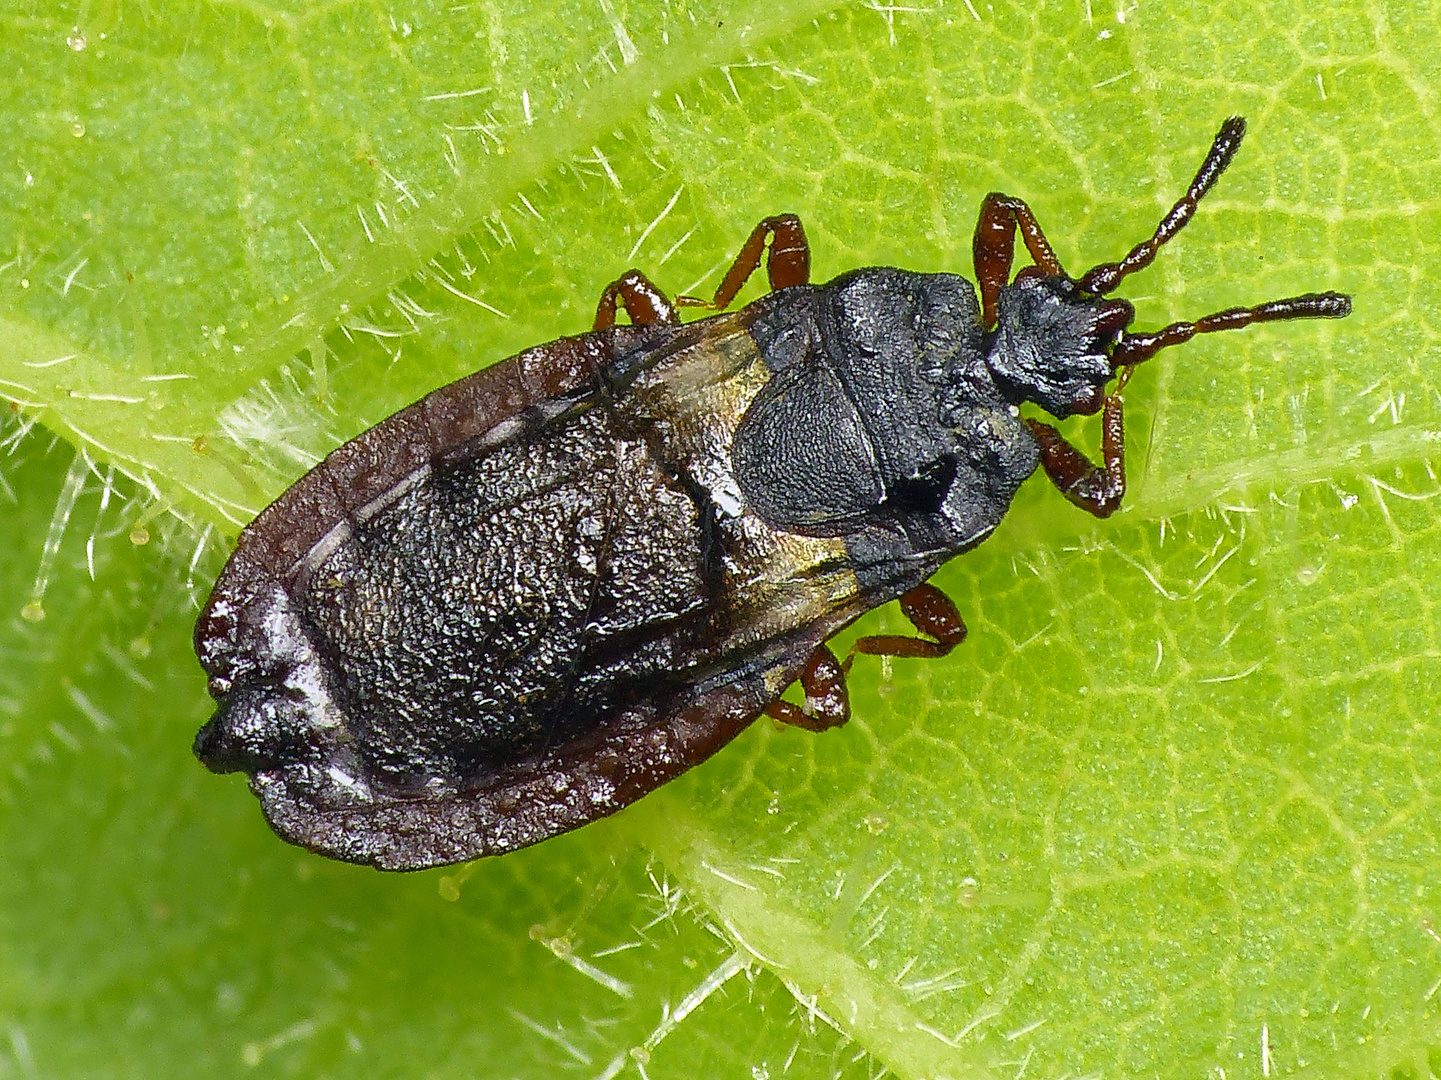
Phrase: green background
(1170,812)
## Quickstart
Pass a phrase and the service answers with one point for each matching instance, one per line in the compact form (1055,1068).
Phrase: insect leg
(644,303)
(1095,489)
(931,612)
(994,245)
(787,263)
(828,704)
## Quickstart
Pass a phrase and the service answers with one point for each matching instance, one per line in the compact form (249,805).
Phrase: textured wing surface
(508,601)
(514,607)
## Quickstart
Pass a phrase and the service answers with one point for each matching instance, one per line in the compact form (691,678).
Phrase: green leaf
(1170,811)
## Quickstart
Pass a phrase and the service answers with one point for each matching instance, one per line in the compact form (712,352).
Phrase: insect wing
(515,606)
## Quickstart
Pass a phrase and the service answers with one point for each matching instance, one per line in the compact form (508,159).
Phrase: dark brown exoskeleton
(542,591)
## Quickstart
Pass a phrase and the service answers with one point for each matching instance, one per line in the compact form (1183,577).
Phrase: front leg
(994,246)
(787,263)
(1095,489)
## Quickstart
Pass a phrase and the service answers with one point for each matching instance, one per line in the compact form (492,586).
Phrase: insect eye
(1112,317)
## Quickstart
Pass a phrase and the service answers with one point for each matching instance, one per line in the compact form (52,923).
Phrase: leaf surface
(1170,811)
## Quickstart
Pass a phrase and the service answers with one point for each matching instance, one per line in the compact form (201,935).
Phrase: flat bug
(544,590)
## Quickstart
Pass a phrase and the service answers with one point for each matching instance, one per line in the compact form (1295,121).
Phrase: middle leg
(787,263)
(931,612)
(828,702)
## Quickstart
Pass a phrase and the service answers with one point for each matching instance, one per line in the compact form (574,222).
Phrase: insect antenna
(1133,348)
(1107,276)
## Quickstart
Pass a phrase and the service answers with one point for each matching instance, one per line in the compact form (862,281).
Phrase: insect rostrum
(544,590)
